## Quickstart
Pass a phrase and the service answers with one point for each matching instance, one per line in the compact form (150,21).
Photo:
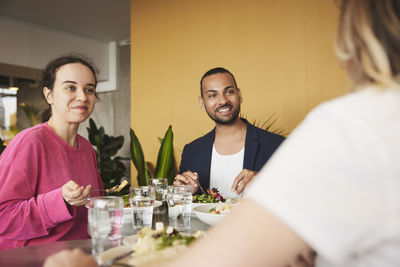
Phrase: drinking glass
(160,185)
(105,222)
(179,200)
(142,201)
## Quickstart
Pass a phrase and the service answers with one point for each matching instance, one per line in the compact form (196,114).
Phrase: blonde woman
(342,198)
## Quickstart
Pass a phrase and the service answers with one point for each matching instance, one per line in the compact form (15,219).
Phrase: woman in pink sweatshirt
(47,171)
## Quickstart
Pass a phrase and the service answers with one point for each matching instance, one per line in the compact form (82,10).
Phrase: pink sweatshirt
(33,168)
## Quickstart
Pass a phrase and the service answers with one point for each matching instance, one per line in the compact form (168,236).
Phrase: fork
(201,188)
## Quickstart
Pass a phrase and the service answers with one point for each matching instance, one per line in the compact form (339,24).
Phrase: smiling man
(231,154)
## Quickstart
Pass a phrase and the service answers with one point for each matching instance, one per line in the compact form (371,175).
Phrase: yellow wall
(281,52)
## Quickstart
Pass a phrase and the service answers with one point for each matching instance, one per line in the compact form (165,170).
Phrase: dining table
(35,255)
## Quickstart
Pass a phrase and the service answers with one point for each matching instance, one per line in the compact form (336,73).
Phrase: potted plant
(269,125)
(110,167)
(166,164)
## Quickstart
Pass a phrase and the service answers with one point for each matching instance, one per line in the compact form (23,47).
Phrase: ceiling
(106,20)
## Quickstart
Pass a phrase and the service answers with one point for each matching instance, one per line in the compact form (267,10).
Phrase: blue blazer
(259,146)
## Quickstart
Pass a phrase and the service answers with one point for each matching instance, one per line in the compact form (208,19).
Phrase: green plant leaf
(2,146)
(166,158)
(113,144)
(269,125)
(172,172)
(92,131)
(147,176)
(101,134)
(137,158)
(111,169)
(121,158)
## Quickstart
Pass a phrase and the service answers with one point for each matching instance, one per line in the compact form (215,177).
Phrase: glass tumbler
(105,222)
(142,201)
(160,186)
(179,200)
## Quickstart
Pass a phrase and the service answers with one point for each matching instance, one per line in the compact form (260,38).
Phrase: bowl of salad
(212,196)
(212,213)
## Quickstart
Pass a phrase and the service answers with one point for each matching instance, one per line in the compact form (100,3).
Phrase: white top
(336,180)
(224,169)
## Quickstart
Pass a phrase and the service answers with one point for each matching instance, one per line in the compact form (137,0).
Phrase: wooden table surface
(34,256)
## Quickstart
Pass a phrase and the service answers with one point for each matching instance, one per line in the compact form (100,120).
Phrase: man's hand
(74,194)
(70,258)
(241,181)
(188,178)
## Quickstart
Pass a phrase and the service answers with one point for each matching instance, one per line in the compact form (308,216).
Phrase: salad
(127,204)
(156,246)
(225,208)
(212,196)
(161,238)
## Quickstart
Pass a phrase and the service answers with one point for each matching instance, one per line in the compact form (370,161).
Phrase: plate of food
(213,213)
(212,196)
(151,246)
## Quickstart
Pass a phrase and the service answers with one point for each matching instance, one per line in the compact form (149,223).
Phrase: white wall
(31,45)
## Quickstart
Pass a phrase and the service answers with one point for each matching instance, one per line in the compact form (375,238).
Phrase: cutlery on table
(201,188)
(114,189)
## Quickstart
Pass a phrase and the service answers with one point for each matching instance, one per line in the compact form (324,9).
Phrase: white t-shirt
(336,180)
(224,169)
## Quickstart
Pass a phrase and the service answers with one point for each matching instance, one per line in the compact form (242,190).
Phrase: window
(8,111)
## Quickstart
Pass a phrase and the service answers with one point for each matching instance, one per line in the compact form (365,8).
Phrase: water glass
(142,201)
(160,185)
(105,222)
(179,200)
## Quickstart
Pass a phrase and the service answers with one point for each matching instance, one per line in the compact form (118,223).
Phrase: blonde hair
(368,41)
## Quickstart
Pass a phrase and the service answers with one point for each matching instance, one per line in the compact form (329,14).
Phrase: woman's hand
(74,194)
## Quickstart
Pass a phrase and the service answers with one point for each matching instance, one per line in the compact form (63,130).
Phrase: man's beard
(228,121)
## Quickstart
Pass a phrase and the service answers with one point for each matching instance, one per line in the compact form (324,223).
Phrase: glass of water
(105,222)
(160,186)
(142,201)
(179,200)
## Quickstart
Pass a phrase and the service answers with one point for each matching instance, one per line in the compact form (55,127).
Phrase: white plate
(157,204)
(227,200)
(112,253)
(202,212)
(129,241)
(194,205)
(128,244)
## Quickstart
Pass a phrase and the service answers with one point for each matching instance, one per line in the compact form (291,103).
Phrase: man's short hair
(215,71)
